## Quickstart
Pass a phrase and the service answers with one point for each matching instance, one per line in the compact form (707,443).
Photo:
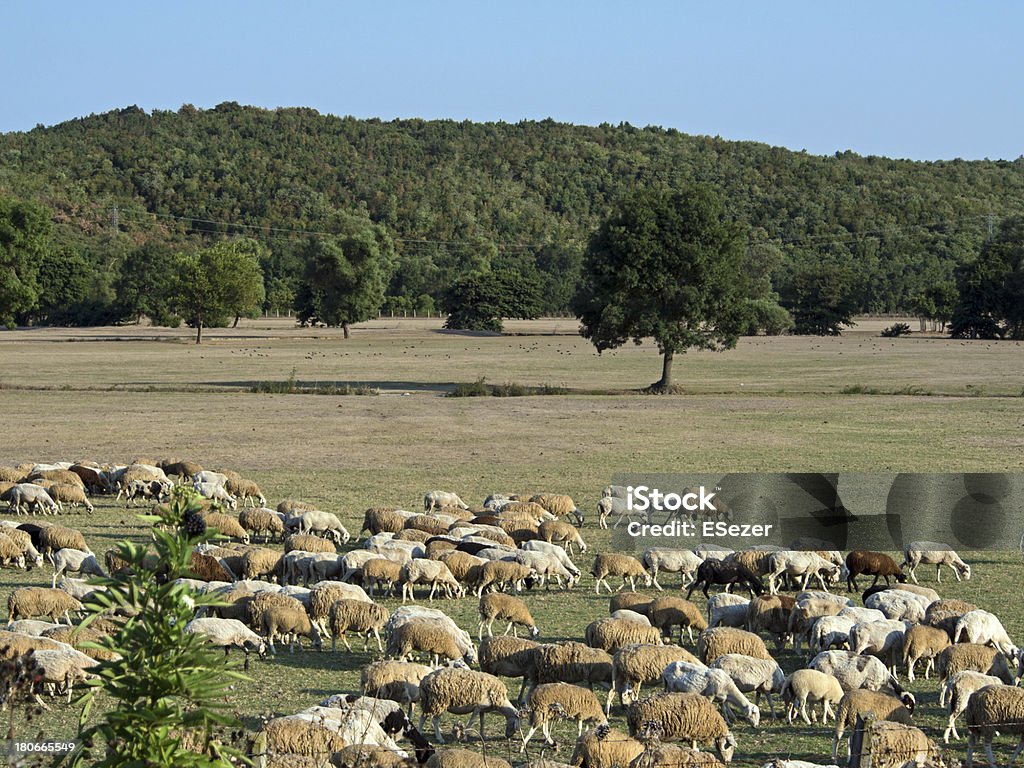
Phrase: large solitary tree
(219,283)
(481,300)
(666,265)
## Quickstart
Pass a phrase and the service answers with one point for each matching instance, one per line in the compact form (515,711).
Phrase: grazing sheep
(379,572)
(882,639)
(852,671)
(810,685)
(505,656)
(246,490)
(795,564)
(633,616)
(261,563)
(668,612)
(614,506)
(681,561)
(616,564)
(32,627)
(830,632)
(441,620)
(306,543)
(758,676)
(495,605)
(559,505)
(11,553)
(673,755)
(605,747)
(502,573)
(684,717)
(635,665)
(463,758)
(425,637)
(383,519)
(984,628)
(860,703)
(316,521)
(294,735)
(926,594)
(559,531)
(59,669)
(931,553)
(464,691)
(995,709)
(74,561)
(359,616)
(432,572)
(895,745)
(261,520)
(216,493)
(395,680)
(228,634)
(561,700)
(957,691)
(632,601)
(57,476)
(29,602)
(805,614)
(570,662)
(714,684)
(610,634)
(877,564)
(977,658)
(713,571)
(713,643)
(55,537)
(441,499)
(727,610)
(897,605)
(279,620)
(325,594)
(23,541)
(66,493)
(547,568)
(921,642)
(771,614)
(226,526)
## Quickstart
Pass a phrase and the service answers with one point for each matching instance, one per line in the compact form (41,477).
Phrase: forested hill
(460,195)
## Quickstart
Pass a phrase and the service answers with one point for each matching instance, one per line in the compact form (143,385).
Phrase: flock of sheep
(307,581)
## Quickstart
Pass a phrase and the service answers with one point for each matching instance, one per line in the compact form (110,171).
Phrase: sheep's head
(579,517)
(908,701)
(511,726)
(534,631)
(965,571)
(753,714)
(725,746)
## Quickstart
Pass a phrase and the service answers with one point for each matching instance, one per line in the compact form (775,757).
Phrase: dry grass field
(853,403)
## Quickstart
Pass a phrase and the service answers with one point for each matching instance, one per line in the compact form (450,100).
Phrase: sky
(902,78)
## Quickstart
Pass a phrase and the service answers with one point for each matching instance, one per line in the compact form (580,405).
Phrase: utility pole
(114,222)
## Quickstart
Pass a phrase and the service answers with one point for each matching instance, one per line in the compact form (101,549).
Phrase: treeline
(450,199)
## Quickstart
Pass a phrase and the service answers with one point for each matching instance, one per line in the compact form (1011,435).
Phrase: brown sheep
(877,564)
(668,612)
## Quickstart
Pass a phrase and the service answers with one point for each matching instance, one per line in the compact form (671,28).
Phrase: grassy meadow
(853,403)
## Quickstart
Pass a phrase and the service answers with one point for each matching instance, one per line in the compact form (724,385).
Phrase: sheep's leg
(437,728)
(526,738)
(910,669)
(950,728)
(929,664)
(803,710)
(1017,751)
(509,627)
(988,753)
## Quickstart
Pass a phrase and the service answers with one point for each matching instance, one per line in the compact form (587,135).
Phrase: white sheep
(441,499)
(931,553)
(432,572)
(26,497)
(762,676)
(228,634)
(984,628)
(74,561)
(831,632)
(898,604)
(317,521)
(555,550)
(215,493)
(794,563)
(715,684)
(810,685)
(882,639)
(957,691)
(60,669)
(852,671)
(547,568)
(681,561)
(726,609)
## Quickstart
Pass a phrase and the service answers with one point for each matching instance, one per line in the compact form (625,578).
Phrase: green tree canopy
(668,265)
(24,242)
(821,295)
(480,301)
(345,274)
(991,302)
(145,283)
(219,283)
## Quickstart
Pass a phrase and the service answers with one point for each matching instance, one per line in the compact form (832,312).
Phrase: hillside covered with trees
(434,201)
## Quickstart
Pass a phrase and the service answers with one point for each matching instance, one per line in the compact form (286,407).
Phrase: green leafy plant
(168,687)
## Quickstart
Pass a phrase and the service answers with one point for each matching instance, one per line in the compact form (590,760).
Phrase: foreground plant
(168,687)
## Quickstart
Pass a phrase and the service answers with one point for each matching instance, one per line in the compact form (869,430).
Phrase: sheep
(11,553)
(931,553)
(559,505)
(633,601)
(307,543)
(440,499)
(26,497)
(617,507)
(957,691)
(32,627)
(11,475)
(715,684)
(860,702)
(547,568)
(674,755)
(862,615)
(944,614)
(314,567)
(59,669)
(23,541)
(877,564)
(713,571)
(325,594)
(810,685)
(570,662)
(992,709)
(817,594)
(66,493)
(464,691)
(805,614)
(926,594)
(319,522)
(561,700)
(712,643)
(440,619)
(228,634)
(977,658)
(984,628)
(681,561)
(378,519)
(216,493)
(426,637)
(634,665)
(56,537)
(57,476)
(180,469)
(246,490)
(299,736)
(727,610)
(289,621)
(895,745)
(852,671)
(464,758)
(616,564)
(628,615)
(383,573)
(897,604)
(762,676)
(496,605)
(261,563)
(74,561)
(684,716)
(78,588)
(882,639)
(792,563)
(431,572)
(560,531)
(261,520)
(16,644)
(503,573)
(226,526)
(395,680)
(921,642)
(365,618)
(28,602)
(610,634)
(668,612)
(771,614)
(830,632)
(605,747)
(506,656)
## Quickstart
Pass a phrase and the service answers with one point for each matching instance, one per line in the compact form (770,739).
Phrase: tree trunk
(235,325)
(666,370)
(199,331)
(344,329)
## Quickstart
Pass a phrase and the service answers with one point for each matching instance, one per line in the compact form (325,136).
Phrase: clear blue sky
(900,78)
